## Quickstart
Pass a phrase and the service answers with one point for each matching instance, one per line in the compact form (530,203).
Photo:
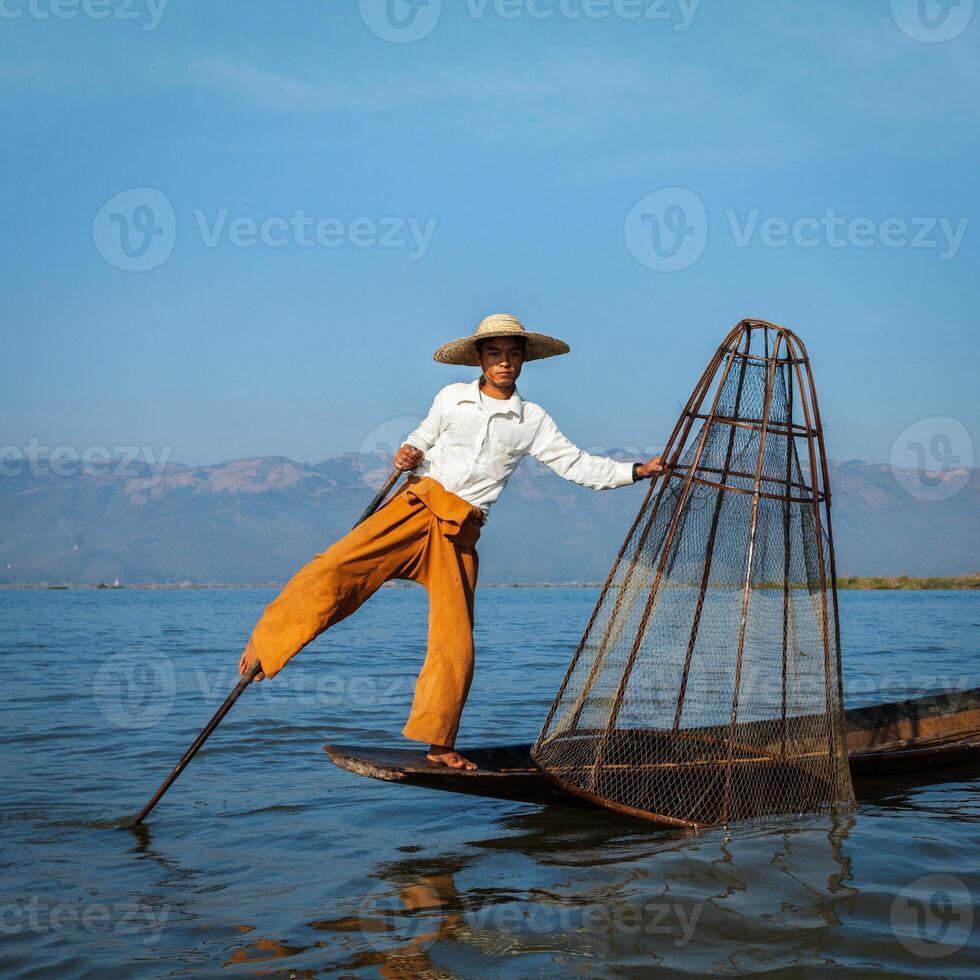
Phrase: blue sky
(522,143)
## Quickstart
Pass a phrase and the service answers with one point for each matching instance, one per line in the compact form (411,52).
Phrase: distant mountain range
(258,520)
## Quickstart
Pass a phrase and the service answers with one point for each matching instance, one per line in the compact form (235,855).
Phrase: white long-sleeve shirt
(473,443)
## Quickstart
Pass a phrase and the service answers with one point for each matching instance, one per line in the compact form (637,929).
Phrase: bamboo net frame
(707,686)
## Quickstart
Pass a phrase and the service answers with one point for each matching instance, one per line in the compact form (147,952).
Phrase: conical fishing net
(707,687)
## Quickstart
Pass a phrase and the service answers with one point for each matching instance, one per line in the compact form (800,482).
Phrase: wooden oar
(244,682)
(379,496)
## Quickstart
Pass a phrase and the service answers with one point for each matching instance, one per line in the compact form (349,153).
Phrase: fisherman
(463,454)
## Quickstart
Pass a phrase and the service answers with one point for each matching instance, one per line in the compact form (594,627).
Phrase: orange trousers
(425,534)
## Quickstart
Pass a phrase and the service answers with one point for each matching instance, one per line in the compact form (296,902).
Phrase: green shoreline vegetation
(849,582)
(971,581)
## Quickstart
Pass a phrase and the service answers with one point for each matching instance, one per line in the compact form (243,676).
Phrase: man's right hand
(408,457)
(248,660)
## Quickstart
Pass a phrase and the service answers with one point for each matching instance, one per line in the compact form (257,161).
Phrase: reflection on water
(670,904)
(266,860)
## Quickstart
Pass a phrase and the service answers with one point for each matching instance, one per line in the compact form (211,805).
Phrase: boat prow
(505,772)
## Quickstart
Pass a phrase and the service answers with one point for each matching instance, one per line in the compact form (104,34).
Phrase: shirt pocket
(463,431)
(509,440)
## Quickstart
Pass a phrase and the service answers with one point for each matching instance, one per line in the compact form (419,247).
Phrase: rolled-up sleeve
(424,437)
(568,461)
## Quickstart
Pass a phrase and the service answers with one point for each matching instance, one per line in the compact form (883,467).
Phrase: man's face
(502,359)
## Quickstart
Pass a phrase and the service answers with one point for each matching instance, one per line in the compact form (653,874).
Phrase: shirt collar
(514,404)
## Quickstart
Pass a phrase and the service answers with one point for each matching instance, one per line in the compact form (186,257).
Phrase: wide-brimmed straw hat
(463,351)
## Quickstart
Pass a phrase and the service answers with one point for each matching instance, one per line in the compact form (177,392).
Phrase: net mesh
(707,686)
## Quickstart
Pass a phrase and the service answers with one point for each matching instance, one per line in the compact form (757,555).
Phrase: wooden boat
(927,734)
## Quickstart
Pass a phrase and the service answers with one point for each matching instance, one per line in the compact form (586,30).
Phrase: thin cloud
(589,80)
(274,90)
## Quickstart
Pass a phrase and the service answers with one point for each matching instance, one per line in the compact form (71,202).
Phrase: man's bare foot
(247,661)
(445,755)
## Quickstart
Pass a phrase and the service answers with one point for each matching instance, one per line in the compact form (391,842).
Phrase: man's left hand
(651,468)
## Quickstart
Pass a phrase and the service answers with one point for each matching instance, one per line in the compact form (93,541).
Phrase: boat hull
(918,735)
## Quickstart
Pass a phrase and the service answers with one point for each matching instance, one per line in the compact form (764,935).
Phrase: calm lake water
(264,859)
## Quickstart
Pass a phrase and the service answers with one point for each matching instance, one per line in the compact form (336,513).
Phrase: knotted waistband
(459,519)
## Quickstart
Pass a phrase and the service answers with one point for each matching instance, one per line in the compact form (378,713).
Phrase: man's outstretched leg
(335,583)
